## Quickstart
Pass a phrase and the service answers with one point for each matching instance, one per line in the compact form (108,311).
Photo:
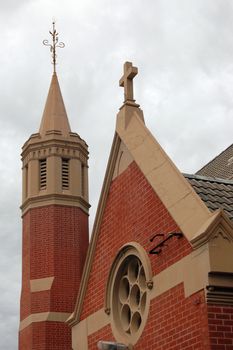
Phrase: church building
(158,271)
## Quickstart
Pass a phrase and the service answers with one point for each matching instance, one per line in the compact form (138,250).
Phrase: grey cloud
(9,6)
(184,52)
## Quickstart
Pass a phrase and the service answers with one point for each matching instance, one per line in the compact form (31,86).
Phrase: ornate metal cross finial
(127,81)
(54,45)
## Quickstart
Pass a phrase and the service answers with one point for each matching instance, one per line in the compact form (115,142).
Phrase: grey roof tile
(216,193)
(221,166)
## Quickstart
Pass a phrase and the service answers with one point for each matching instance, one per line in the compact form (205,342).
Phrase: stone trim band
(42,317)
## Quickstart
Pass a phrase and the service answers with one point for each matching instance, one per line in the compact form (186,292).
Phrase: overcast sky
(184,52)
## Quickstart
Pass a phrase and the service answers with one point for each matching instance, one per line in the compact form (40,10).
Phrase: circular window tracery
(129,293)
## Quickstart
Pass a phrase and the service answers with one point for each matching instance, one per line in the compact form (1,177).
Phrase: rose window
(130,295)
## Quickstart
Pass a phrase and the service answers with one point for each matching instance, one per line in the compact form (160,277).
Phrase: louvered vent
(65,174)
(83,180)
(26,181)
(43,174)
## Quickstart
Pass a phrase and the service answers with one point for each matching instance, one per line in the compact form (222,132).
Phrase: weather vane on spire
(54,45)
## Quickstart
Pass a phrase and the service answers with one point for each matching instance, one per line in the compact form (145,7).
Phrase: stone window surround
(128,332)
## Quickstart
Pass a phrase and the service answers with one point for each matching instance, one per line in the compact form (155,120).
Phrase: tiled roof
(216,193)
(221,166)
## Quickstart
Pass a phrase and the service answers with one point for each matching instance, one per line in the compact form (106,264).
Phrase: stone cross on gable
(127,81)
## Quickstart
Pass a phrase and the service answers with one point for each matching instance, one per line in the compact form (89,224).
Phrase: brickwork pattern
(45,336)
(220,318)
(175,323)
(55,241)
(104,334)
(135,213)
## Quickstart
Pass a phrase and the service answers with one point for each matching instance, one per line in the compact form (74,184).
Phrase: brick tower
(55,227)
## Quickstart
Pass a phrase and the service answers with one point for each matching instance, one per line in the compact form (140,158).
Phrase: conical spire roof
(54,116)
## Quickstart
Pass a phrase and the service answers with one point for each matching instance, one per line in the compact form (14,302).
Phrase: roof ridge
(208,178)
(214,158)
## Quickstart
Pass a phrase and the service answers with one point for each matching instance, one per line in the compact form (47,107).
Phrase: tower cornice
(37,147)
(65,199)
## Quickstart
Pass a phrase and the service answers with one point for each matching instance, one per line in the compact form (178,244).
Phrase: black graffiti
(158,248)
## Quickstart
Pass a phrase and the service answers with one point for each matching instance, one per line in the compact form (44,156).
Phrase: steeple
(54,117)
(55,224)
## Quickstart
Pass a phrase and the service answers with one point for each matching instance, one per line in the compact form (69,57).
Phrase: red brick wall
(25,338)
(133,213)
(45,336)
(55,240)
(104,334)
(174,323)
(220,318)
